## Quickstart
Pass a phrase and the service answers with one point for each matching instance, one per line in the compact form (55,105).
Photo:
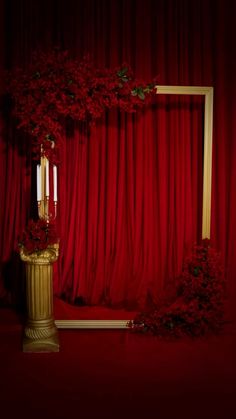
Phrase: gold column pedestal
(40,332)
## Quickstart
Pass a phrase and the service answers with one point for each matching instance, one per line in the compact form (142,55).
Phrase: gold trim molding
(207,92)
(92,324)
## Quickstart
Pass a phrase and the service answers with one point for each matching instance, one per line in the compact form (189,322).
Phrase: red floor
(116,374)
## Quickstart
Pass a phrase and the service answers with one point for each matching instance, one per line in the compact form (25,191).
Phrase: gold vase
(40,332)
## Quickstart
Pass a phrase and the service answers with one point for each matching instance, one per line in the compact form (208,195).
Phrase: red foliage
(198,305)
(38,235)
(56,87)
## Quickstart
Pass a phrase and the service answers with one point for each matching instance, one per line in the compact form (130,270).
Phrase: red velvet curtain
(130,190)
(130,201)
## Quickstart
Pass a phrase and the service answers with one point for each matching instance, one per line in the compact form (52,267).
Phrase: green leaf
(122,71)
(37,75)
(141,95)
(196,270)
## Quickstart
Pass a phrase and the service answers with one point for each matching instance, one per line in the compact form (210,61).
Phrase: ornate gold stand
(40,332)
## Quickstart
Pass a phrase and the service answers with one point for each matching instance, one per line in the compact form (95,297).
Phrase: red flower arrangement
(197,307)
(56,87)
(38,235)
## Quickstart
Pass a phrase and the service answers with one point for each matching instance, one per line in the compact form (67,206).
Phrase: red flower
(56,87)
(38,235)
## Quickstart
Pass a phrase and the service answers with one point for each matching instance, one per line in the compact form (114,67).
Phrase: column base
(49,344)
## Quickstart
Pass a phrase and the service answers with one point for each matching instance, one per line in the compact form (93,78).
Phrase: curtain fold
(130,190)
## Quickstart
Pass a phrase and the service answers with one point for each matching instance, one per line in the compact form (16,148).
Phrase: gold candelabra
(45,211)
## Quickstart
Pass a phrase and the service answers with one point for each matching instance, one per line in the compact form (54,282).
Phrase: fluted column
(40,332)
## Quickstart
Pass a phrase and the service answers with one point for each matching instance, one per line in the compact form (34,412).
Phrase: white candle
(55,182)
(47,178)
(39,197)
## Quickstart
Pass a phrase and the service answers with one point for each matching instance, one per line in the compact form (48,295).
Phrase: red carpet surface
(117,374)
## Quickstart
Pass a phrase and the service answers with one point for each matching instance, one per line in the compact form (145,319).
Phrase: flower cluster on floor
(197,307)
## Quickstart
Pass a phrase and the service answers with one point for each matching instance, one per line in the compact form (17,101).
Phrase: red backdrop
(130,193)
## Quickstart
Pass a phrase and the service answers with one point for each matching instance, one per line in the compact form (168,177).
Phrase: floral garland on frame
(56,88)
(197,306)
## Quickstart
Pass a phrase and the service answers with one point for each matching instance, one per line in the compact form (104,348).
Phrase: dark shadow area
(11,135)
(13,273)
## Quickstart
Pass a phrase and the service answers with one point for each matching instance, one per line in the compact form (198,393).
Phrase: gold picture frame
(207,92)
